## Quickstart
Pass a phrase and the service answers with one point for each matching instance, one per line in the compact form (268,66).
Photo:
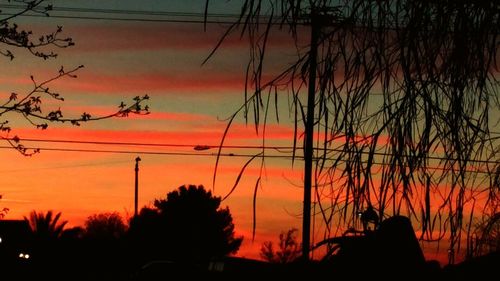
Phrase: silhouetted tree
(73,233)
(105,226)
(399,96)
(46,229)
(289,248)
(188,225)
(102,249)
(45,226)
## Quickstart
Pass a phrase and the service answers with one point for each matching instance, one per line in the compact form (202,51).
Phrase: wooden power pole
(308,145)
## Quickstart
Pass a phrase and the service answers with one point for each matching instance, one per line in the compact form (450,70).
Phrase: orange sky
(188,101)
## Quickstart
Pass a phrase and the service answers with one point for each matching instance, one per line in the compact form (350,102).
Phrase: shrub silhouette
(289,248)
(105,226)
(188,225)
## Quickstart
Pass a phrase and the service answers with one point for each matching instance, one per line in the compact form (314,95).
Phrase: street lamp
(201,147)
(136,199)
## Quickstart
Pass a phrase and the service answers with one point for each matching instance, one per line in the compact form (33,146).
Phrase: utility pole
(136,197)
(309,132)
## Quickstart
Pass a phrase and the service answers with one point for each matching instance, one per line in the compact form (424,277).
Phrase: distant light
(24,256)
(0,239)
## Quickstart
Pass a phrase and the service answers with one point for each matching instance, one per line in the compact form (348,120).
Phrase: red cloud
(152,82)
(201,82)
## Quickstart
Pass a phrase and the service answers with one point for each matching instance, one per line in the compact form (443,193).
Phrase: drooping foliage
(405,104)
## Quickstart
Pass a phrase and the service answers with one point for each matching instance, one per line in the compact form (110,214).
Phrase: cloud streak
(114,37)
(199,82)
(239,134)
(167,83)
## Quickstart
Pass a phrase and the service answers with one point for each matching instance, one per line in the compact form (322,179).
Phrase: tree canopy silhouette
(47,230)
(400,97)
(105,226)
(188,225)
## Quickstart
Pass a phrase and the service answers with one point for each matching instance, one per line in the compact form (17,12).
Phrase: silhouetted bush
(188,225)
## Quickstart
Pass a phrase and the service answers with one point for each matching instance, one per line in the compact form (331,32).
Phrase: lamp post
(136,197)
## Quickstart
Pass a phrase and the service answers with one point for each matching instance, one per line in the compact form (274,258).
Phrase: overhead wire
(121,11)
(149,144)
(128,19)
(202,147)
(145,152)
(165,153)
(134,15)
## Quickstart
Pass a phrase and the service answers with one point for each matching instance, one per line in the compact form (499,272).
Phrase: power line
(148,152)
(281,149)
(160,153)
(147,13)
(137,15)
(150,144)
(125,11)
(129,19)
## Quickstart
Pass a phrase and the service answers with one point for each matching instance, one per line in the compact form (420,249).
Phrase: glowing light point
(24,256)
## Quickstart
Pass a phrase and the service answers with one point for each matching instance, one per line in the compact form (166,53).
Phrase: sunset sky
(132,48)
(189,103)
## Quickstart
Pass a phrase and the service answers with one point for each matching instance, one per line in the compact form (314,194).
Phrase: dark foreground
(231,268)
(392,252)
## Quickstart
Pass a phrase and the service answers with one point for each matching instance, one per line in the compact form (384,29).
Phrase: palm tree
(45,226)
(46,230)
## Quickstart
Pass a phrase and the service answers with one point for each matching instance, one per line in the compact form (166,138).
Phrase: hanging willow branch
(407,93)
